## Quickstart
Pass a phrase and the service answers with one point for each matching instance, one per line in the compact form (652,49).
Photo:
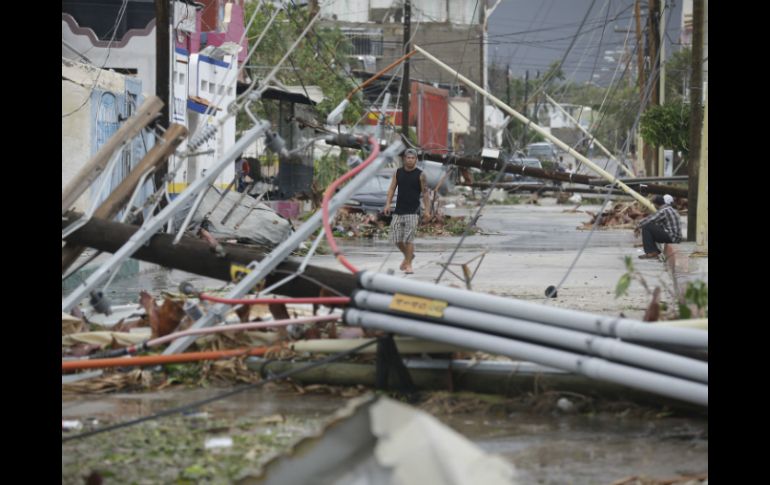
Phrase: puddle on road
(590,449)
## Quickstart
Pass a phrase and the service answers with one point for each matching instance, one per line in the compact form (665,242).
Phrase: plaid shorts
(403,227)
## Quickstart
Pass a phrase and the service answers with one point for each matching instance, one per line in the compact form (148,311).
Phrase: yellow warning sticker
(418,305)
(237,272)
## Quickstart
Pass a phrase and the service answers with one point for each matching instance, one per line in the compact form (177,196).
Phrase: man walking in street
(660,227)
(410,182)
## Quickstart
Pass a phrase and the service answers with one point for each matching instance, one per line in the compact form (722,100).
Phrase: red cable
(328,195)
(324,300)
(162,359)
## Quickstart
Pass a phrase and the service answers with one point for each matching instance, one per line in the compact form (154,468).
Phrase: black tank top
(409,189)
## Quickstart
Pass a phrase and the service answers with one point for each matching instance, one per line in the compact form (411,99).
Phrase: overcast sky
(531,34)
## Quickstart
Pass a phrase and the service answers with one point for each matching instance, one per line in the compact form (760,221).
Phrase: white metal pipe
(383,116)
(592,367)
(540,130)
(235,327)
(609,348)
(624,328)
(701,323)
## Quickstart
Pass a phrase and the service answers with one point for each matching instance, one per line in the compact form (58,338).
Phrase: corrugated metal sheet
(432,112)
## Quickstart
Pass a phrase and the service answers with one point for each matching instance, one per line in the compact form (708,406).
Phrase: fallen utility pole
(148,111)
(540,130)
(513,186)
(487,164)
(591,138)
(492,165)
(173,137)
(195,256)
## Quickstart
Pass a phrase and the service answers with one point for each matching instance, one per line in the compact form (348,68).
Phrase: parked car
(523,179)
(434,173)
(371,196)
(544,151)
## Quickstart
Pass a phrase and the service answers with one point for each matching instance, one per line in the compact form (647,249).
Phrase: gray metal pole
(262,268)
(156,223)
(608,348)
(624,328)
(589,366)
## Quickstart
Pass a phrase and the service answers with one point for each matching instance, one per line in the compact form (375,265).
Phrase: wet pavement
(529,248)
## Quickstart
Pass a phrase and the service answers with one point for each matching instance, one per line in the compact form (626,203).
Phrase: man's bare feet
(408,269)
(403,265)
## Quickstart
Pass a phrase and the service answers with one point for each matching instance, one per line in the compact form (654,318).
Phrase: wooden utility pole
(640,77)
(508,84)
(405,82)
(639,50)
(482,64)
(526,111)
(173,137)
(162,57)
(702,226)
(313,7)
(148,111)
(662,82)
(696,117)
(162,68)
(653,34)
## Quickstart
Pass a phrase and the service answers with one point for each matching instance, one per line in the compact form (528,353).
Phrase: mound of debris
(352,224)
(622,215)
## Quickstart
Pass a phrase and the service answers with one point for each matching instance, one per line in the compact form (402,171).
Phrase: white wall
(216,84)
(76,142)
(459,115)
(75,135)
(347,10)
(455,11)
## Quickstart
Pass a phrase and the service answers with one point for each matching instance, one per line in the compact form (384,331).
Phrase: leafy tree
(667,125)
(316,60)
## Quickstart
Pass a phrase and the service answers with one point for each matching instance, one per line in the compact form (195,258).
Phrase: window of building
(366,42)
